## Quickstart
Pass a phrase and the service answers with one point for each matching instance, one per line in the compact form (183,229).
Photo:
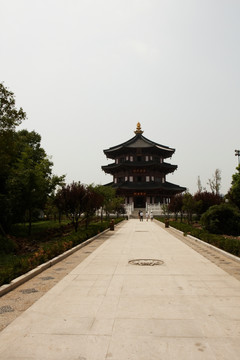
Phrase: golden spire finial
(138,129)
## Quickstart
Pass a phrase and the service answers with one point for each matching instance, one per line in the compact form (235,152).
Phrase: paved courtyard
(106,308)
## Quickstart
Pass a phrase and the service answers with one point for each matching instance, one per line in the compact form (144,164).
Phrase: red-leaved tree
(71,199)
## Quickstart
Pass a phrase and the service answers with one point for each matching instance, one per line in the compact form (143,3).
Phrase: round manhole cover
(146,262)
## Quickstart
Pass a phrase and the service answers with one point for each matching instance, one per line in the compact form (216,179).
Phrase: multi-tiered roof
(139,164)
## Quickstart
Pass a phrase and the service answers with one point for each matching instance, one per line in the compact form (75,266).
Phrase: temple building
(139,172)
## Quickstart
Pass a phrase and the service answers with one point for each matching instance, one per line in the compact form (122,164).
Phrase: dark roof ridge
(155,143)
(139,137)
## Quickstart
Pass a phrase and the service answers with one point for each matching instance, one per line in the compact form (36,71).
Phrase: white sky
(86,71)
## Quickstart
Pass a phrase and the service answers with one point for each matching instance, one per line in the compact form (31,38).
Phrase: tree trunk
(75,226)
(30,222)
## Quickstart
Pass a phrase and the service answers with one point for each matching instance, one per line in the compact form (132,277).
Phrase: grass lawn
(38,227)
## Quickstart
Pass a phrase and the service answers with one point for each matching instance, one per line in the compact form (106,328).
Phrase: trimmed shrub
(222,219)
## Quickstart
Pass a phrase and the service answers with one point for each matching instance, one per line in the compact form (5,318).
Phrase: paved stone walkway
(14,303)
(106,308)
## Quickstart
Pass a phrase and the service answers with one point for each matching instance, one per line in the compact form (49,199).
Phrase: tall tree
(234,192)
(108,194)
(199,184)
(117,205)
(206,199)
(215,182)
(72,201)
(93,201)
(10,118)
(30,181)
(26,178)
(176,205)
(189,205)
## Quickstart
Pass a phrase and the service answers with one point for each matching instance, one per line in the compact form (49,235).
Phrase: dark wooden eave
(150,186)
(113,168)
(138,142)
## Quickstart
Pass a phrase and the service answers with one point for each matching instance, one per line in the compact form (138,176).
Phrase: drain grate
(5,309)
(47,278)
(146,262)
(28,291)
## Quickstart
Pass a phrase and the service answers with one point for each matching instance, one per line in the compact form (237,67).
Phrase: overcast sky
(86,71)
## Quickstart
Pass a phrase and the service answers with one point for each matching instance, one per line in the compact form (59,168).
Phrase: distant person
(147,215)
(151,216)
(141,216)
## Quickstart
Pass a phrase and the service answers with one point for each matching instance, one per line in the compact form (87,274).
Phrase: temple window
(147,178)
(131,158)
(147,158)
(126,178)
(116,161)
(131,178)
(152,178)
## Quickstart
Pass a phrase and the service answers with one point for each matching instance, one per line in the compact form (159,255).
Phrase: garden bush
(222,219)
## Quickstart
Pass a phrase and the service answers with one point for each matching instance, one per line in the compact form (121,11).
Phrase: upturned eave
(138,142)
(150,165)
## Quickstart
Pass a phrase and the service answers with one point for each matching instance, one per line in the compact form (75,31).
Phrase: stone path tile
(107,308)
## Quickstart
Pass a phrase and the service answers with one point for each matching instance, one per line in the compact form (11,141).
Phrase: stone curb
(230,256)
(4,289)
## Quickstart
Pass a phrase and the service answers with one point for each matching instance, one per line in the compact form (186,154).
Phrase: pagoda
(139,171)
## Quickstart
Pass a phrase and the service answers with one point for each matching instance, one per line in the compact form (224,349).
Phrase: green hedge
(229,245)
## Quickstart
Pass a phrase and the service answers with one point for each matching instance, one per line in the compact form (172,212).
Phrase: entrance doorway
(139,202)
